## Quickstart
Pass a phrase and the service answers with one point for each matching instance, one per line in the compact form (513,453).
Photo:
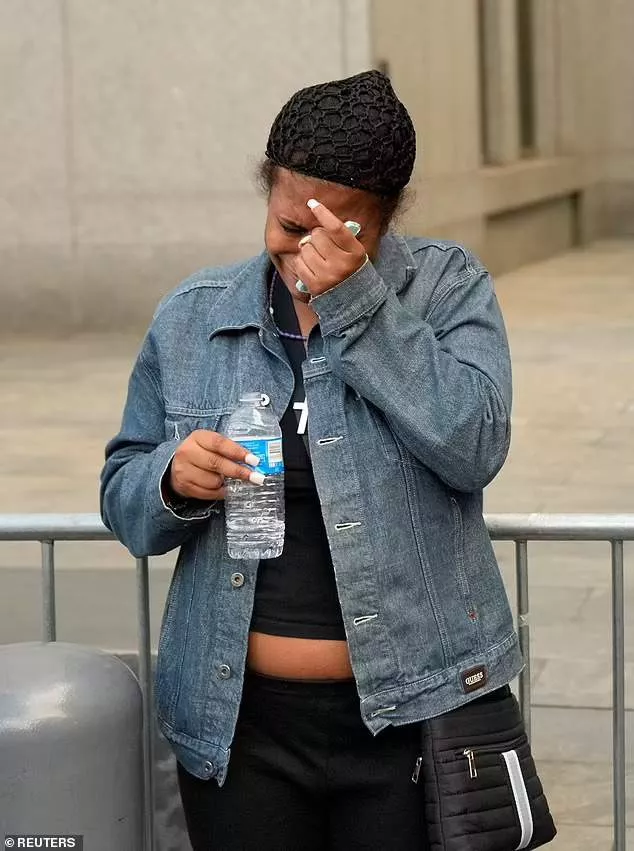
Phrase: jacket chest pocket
(179,425)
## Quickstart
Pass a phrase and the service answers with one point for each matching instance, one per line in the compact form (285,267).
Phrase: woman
(292,691)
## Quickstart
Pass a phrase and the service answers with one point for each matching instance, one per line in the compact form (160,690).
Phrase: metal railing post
(618,698)
(145,679)
(523,630)
(49,624)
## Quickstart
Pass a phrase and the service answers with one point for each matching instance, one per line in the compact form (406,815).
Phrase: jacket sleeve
(131,499)
(443,382)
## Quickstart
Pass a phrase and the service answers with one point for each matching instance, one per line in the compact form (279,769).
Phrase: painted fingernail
(304,240)
(252,460)
(353,227)
(301,286)
(257,478)
(312,203)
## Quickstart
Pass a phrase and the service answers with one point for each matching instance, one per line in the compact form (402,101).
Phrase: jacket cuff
(178,507)
(360,294)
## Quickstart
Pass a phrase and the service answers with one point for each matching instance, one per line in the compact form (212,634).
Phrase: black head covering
(354,131)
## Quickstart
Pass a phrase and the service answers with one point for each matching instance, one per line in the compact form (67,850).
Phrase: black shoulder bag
(481,789)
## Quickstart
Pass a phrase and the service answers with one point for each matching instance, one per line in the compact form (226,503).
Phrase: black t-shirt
(296,593)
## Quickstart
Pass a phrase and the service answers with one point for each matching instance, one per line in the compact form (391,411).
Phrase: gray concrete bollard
(70,745)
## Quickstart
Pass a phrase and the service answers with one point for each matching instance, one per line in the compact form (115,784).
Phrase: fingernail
(353,227)
(312,203)
(304,240)
(252,460)
(301,286)
(257,478)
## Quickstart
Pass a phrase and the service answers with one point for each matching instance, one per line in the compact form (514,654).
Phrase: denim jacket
(408,387)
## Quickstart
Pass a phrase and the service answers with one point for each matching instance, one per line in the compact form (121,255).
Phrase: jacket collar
(244,303)
(395,263)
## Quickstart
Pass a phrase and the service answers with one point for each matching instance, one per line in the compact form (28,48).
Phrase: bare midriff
(298,658)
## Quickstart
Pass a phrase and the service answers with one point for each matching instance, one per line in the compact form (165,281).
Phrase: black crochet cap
(354,131)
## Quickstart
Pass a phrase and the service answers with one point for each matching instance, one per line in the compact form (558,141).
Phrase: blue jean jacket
(408,387)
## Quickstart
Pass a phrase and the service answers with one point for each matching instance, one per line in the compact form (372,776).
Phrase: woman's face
(289,219)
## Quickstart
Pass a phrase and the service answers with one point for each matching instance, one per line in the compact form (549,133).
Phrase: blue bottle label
(269,451)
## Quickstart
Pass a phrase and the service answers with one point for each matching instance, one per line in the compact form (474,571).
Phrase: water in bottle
(255,513)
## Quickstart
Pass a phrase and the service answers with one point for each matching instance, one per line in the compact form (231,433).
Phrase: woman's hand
(330,255)
(203,461)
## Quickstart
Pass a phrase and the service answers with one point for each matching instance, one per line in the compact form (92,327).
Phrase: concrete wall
(128,135)
(129,132)
(578,183)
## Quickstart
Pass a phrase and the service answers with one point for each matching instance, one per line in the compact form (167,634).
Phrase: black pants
(306,775)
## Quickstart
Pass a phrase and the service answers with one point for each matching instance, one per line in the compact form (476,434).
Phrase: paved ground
(571,325)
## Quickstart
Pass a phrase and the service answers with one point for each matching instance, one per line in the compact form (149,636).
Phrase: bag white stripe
(521,798)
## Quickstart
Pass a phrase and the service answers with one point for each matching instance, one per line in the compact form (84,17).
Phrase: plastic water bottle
(255,513)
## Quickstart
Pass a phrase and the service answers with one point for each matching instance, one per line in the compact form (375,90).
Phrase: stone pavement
(571,326)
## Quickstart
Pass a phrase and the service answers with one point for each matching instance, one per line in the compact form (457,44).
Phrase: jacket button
(237,580)
(224,672)
(208,767)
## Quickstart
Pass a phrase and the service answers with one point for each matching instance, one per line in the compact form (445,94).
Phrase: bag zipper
(471,753)
(473,771)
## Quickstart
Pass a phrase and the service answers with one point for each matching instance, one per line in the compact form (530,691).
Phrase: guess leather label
(474,678)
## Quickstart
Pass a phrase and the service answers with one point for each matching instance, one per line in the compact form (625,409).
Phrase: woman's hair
(353,132)
(391,205)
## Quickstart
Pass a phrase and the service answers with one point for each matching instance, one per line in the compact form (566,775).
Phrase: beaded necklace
(289,335)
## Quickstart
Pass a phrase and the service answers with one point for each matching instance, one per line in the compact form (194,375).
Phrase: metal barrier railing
(519,528)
